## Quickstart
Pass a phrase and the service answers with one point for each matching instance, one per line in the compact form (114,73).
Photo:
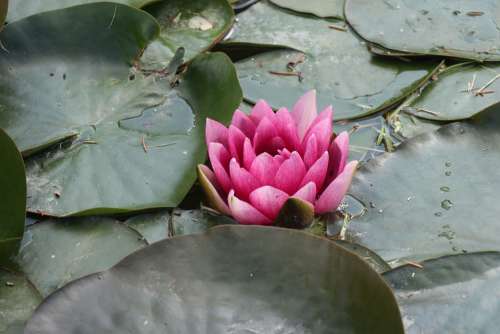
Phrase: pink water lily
(265,158)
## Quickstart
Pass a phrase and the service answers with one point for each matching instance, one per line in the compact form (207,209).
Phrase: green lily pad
(152,227)
(13,203)
(193,25)
(231,279)
(186,222)
(450,28)
(336,63)
(56,252)
(435,195)
(321,8)
(18,301)
(372,258)
(451,294)
(19,9)
(119,141)
(4,4)
(460,92)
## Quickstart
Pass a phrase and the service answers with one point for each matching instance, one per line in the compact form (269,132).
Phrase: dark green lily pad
(451,294)
(4,4)
(372,258)
(336,63)
(186,222)
(450,28)
(56,252)
(18,300)
(19,9)
(193,25)
(13,203)
(435,195)
(449,98)
(152,227)
(321,8)
(237,279)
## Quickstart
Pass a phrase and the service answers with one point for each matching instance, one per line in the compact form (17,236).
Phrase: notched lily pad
(450,294)
(333,61)
(450,28)
(13,203)
(231,279)
(435,195)
(321,8)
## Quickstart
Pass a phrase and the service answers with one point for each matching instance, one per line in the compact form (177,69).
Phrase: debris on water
(410,198)
(445,189)
(9,284)
(447,164)
(438,214)
(447,173)
(446,204)
(372,205)
(475,13)
(380,211)
(200,23)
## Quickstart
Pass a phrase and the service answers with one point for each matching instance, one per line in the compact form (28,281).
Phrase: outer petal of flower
(244,213)
(243,182)
(261,110)
(219,159)
(248,154)
(287,129)
(304,112)
(264,168)
(209,185)
(290,174)
(265,132)
(317,172)
(244,123)
(311,151)
(331,198)
(323,132)
(215,132)
(236,139)
(268,200)
(339,152)
(327,113)
(307,192)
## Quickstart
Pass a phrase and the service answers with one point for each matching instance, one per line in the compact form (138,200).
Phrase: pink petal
(244,213)
(210,185)
(219,159)
(264,134)
(243,182)
(248,154)
(331,198)
(215,132)
(261,110)
(339,152)
(236,139)
(287,129)
(307,192)
(290,174)
(311,151)
(264,168)
(323,132)
(244,123)
(268,200)
(327,113)
(317,172)
(285,153)
(304,112)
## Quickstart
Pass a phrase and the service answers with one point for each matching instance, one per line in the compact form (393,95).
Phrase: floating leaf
(334,62)
(18,301)
(450,28)
(186,222)
(372,258)
(193,25)
(4,4)
(451,294)
(13,203)
(19,9)
(321,8)
(152,227)
(56,252)
(434,195)
(227,280)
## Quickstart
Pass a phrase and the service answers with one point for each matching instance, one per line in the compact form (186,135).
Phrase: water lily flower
(264,159)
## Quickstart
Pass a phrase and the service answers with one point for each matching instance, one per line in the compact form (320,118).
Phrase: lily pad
(193,25)
(186,222)
(334,61)
(119,143)
(321,8)
(13,203)
(19,9)
(435,195)
(226,281)
(18,301)
(152,227)
(56,252)
(451,294)
(4,4)
(460,92)
(449,28)
(372,258)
